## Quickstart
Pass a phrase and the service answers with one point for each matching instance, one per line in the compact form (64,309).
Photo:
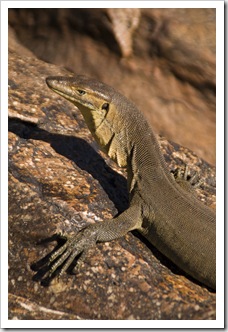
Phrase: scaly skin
(171,218)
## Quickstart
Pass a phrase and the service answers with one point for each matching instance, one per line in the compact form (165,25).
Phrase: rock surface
(58,181)
(168,68)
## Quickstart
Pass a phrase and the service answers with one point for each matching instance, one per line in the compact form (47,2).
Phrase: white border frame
(219,322)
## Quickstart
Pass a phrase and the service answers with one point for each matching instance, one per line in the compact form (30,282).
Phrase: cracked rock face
(60,182)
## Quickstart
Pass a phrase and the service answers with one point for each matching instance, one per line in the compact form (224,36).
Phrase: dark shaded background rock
(59,182)
(170,72)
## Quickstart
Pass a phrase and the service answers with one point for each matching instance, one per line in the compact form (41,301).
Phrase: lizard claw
(186,181)
(74,246)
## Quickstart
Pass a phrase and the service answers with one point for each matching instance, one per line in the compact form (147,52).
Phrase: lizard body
(171,218)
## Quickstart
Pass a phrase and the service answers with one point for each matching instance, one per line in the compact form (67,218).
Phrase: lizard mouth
(71,98)
(66,92)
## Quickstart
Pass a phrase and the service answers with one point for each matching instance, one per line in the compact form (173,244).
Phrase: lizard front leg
(80,243)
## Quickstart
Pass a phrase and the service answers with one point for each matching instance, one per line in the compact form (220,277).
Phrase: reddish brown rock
(59,182)
(170,73)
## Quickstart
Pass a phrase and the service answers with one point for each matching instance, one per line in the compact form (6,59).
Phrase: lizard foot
(185,180)
(67,249)
(74,246)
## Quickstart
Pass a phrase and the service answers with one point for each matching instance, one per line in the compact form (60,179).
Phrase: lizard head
(99,105)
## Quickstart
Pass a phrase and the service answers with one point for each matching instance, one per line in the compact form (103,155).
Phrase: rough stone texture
(168,67)
(58,181)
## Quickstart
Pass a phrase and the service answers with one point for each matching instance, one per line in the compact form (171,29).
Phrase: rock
(124,22)
(58,181)
(168,69)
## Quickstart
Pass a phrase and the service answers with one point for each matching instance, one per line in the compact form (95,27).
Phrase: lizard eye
(105,106)
(81,92)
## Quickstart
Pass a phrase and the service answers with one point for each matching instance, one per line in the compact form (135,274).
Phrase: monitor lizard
(171,218)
